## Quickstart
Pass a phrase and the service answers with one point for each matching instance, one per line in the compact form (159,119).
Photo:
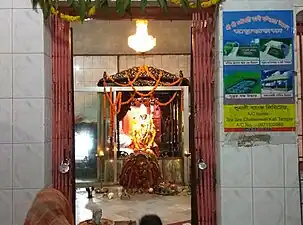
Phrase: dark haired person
(150,220)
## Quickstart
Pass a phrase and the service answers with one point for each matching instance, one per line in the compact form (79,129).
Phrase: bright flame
(100,152)
(141,41)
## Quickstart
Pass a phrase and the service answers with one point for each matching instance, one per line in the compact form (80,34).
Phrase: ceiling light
(141,41)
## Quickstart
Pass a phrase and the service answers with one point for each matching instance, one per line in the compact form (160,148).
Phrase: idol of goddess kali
(143,134)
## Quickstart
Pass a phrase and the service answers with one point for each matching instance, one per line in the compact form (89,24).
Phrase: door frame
(177,13)
(203,119)
(73,158)
(193,170)
(62,109)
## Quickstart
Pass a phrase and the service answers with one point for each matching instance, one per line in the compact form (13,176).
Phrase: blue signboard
(258,71)
(258,57)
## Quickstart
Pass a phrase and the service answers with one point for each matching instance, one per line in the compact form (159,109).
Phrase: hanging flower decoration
(115,106)
(86,8)
(203,4)
(91,12)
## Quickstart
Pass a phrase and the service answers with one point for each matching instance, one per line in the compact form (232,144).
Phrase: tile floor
(171,209)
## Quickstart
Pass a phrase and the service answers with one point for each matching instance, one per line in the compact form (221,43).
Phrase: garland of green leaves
(87,8)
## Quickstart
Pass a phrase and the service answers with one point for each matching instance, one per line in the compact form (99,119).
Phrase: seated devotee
(150,220)
(50,207)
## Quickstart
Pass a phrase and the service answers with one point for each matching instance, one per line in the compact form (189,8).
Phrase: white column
(258,184)
(25,108)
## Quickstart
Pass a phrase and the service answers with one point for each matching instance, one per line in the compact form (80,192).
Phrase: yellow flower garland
(69,18)
(206,4)
(92,10)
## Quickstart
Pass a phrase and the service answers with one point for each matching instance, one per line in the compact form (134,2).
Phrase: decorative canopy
(148,76)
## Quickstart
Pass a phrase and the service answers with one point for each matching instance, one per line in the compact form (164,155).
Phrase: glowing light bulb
(141,41)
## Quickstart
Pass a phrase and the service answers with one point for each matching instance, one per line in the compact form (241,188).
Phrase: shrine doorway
(201,123)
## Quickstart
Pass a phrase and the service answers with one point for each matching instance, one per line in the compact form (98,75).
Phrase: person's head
(50,207)
(150,220)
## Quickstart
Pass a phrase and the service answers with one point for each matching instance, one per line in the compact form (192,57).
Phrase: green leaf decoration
(75,5)
(35,3)
(123,6)
(89,4)
(163,4)
(120,6)
(98,3)
(127,5)
(104,3)
(82,9)
(185,4)
(55,4)
(199,3)
(46,10)
(118,3)
(70,2)
(143,4)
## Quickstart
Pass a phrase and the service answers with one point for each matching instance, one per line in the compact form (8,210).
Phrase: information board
(258,72)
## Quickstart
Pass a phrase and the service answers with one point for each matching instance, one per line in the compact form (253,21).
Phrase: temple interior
(132,130)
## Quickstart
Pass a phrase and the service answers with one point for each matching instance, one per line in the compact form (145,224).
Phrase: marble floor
(171,209)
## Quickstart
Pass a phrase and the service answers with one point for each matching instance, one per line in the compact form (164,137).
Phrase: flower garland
(168,102)
(92,11)
(149,94)
(140,70)
(205,4)
(115,107)
(68,18)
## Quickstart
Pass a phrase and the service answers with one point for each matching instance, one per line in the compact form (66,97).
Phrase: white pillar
(25,108)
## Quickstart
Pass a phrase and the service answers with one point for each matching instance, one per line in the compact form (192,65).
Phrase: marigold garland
(69,18)
(129,100)
(115,107)
(168,102)
(92,11)
(206,4)
(104,105)
(176,83)
(140,70)
(182,99)
(149,94)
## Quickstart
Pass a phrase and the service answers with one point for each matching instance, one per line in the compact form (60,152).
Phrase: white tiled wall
(25,108)
(269,174)
(88,70)
(257,185)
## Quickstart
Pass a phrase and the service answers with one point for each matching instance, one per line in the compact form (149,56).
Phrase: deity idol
(143,134)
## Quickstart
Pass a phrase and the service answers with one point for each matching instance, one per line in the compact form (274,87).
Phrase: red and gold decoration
(137,76)
(141,170)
